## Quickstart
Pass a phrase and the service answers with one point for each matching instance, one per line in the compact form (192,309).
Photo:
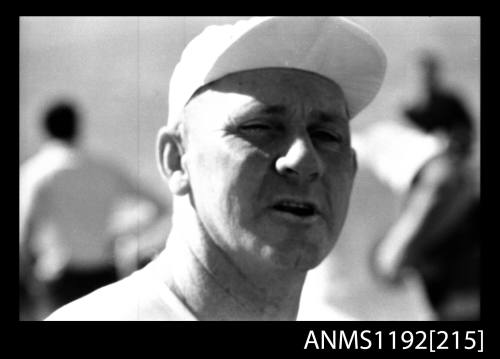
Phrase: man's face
(270,166)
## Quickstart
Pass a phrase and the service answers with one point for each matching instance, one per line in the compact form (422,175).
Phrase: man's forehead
(272,89)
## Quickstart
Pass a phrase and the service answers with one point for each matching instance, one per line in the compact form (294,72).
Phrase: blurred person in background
(68,199)
(437,234)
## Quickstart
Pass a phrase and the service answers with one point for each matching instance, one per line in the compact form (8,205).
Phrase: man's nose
(301,161)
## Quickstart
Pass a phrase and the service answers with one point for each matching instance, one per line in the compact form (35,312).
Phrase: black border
(237,338)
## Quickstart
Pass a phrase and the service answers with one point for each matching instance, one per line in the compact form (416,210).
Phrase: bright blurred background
(118,69)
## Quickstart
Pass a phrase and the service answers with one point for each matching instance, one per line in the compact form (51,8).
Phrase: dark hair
(61,122)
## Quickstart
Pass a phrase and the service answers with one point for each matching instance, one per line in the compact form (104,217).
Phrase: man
(257,151)
(68,199)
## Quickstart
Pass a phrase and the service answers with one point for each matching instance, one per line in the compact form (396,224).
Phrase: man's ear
(169,151)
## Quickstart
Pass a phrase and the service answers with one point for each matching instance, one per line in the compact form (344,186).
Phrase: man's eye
(326,136)
(256,127)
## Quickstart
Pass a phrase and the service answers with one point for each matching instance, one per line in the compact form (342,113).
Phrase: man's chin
(300,259)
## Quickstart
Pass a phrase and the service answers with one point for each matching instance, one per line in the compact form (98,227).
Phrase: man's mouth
(297,208)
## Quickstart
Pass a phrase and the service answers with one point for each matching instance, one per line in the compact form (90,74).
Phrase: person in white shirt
(257,152)
(67,201)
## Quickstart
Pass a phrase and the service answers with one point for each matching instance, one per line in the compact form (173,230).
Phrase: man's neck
(214,287)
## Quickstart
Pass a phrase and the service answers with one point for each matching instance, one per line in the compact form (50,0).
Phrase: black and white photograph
(281,168)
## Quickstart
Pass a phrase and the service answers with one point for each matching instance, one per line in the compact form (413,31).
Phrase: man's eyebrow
(273,110)
(318,115)
(327,117)
(260,109)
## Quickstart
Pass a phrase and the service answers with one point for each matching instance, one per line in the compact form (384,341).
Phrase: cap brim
(332,47)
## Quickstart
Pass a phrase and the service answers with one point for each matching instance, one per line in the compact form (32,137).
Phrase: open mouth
(301,209)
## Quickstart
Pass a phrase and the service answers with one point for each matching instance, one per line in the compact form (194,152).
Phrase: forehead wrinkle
(274,110)
(250,106)
(330,117)
(259,108)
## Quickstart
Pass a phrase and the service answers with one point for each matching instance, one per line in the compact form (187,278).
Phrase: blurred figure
(437,234)
(67,201)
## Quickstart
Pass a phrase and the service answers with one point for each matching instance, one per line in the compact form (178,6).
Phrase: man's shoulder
(140,296)
(112,302)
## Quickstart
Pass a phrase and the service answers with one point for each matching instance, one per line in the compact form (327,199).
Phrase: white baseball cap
(333,47)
